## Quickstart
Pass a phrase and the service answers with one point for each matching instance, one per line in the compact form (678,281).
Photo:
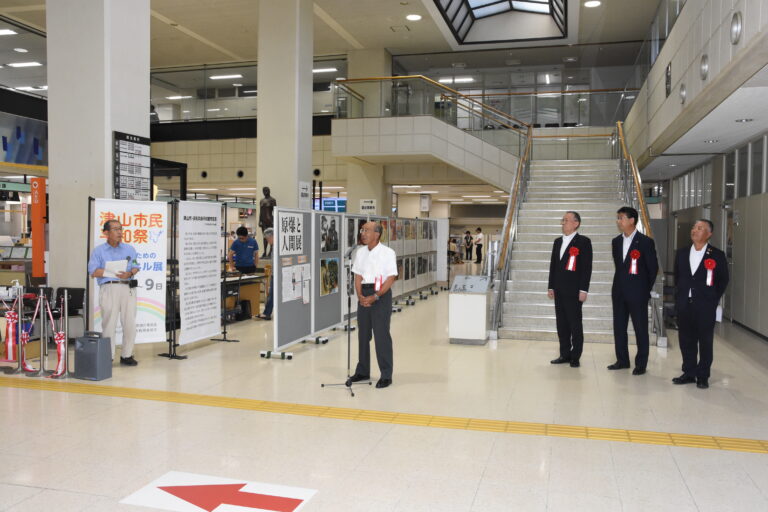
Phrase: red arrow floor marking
(208,497)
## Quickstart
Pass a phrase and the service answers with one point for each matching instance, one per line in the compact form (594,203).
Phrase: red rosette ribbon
(634,255)
(710,265)
(572,253)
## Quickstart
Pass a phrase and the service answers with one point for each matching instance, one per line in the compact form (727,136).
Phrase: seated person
(244,251)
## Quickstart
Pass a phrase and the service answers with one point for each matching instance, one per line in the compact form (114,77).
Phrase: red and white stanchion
(11,323)
(19,314)
(25,335)
(60,338)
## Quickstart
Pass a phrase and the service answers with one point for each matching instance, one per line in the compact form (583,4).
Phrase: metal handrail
(635,175)
(509,231)
(458,94)
(350,90)
(633,195)
(552,93)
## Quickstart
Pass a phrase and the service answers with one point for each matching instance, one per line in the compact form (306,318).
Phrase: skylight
(462,15)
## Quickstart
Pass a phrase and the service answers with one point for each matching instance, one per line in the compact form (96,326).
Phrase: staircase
(591,188)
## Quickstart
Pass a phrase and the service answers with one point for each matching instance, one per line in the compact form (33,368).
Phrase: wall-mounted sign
(368,206)
(305,191)
(131,167)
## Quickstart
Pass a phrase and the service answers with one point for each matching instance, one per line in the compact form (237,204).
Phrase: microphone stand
(350,291)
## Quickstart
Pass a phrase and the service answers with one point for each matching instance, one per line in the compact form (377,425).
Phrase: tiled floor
(72,452)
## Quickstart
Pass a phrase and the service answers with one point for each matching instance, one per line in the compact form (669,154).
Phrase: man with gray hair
(375,269)
(269,237)
(570,271)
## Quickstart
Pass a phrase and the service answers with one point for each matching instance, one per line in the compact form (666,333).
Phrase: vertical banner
(292,276)
(199,270)
(37,189)
(145,227)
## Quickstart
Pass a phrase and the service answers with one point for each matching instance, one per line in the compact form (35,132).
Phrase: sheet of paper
(287,280)
(112,268)
(305,291)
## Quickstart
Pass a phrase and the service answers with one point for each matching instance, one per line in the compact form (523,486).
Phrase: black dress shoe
(618,366)
(357,378)
(560,360)
(702,383)
(638,371)
(575,364)
(128,361)
(383,383)
(684,379)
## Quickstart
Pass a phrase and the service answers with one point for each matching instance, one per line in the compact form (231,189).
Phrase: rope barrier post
(32,372)
(59,337)
(17,334)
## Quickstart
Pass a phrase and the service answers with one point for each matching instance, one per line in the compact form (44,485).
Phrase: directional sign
(188,492)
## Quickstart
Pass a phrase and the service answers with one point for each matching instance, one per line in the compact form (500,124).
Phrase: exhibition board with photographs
(312,252)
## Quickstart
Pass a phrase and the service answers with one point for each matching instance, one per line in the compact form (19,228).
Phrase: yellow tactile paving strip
(422,420)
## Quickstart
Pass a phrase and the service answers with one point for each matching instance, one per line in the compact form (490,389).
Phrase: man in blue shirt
(117,297)
(245,251)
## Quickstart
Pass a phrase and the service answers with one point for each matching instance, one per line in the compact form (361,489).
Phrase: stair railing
(509,233)
(631,191)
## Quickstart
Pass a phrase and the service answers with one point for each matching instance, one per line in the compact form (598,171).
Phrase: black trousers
(374,322)
(468,251)
(696,324)
(622,311)
(570,330)
(479,252)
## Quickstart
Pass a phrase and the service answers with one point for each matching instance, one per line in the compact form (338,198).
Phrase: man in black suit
(634,258)
(570,270)
(701,277)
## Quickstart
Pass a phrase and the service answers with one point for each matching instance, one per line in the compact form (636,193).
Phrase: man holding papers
(114,265)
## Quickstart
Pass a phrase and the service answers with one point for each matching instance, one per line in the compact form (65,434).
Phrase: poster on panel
(397,287)
(409,230)
(353,224)
(293,276)
(145,228)
(441,272)
(395,240)
(199,270)
(328,269)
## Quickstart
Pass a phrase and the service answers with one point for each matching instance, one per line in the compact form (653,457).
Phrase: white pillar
(366,181)
(98,82)
(284,122)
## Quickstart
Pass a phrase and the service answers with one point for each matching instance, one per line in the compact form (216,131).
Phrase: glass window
(707,195)
(756,182)
(742,175)
(729,191)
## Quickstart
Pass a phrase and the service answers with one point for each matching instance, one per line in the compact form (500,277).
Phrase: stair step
(526,255)
(589,230)
(531,285)
(543,265)
(507,333)
(539,297)
(550,237)
(548,309)
(549,322)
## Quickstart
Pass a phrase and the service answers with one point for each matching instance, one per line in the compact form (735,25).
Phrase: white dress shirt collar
(566,240)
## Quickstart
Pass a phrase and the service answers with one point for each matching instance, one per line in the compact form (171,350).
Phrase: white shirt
(627,242)
(478,239)
(380,262)
(566,240)
(694,258)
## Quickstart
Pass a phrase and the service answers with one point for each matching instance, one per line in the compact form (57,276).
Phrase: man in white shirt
(375,269)
(479,245)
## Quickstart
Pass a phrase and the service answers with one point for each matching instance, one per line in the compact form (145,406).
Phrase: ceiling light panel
(7,32)
(225,77)
(24,64)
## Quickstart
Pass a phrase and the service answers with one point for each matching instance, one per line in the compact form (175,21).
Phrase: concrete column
(368,64)
(284,122)
(98,82)
(366,181)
